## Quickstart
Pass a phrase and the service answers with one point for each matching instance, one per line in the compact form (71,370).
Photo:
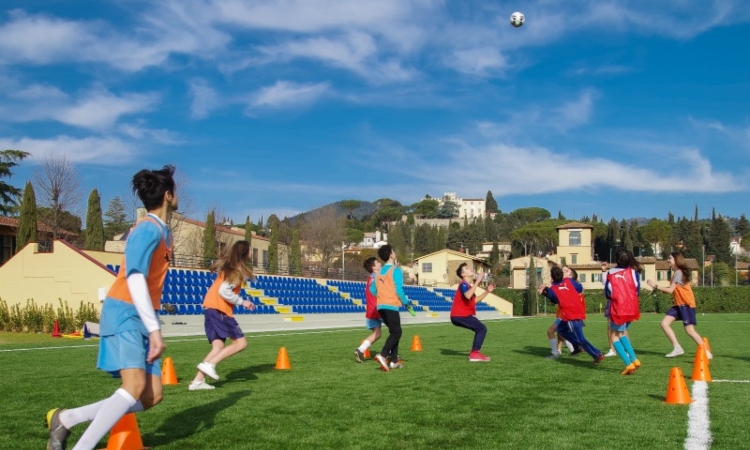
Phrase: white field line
(731,381)
(699,423)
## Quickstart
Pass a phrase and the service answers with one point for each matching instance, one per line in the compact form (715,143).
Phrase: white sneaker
(208,369)
(200,386)
(381,360)
(709,355)
(676,352)
(396,365)
(610,353)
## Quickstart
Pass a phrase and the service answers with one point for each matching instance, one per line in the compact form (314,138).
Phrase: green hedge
(726,299)
(33,318)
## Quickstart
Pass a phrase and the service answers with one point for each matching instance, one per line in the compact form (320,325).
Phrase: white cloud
(96,109)
(286,94)
(574,113)
(92,150)
(140,132)
(204,98)
(477,61)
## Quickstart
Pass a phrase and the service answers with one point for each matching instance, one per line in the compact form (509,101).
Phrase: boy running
(389,290)
(464,309)
(131,341)
(372,318)
(566,293)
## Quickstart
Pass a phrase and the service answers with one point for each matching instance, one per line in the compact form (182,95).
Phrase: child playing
(566,293)
(464,309)
(372,318)
(131,341)
(621,286)
(684,304)
(218,305)
(556,342)
(389,290)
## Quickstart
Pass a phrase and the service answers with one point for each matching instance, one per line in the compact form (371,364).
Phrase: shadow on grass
(580,360)
(245,374)
(449,352)
(190,422)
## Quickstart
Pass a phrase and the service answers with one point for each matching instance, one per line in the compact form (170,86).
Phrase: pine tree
(495,256)
(422,240)
(209,239)
(625,239)
(531,293)
(27,221)
(719,237)
(295,256)
(94,223)
(490,205)
(273,249)
(115,219)
(743,226)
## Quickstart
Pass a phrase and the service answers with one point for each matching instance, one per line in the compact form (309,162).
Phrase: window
(7,248)
(658,275)
(574,238)
(426,267)
(582,278)
(596,277)
(255,257)
(574,258)
(538,276)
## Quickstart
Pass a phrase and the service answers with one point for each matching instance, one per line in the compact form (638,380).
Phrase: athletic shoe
(200,386)
(383,363)
(359,356)
(476,356)
(553,356)
(58,434)
(676,352)
(637,363)
(397,366)
(599,358)
(709,355)
(577,351)
(208,369)
(610,353)
(629,370)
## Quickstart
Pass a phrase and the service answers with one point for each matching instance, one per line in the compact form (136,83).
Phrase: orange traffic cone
(367,351)
(125,435)
(706,345)
(416,344)
(282,361)
(700,366)
(677,391)
(56,329)
(168,375)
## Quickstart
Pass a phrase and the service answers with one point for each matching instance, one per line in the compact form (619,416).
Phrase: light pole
(343,255)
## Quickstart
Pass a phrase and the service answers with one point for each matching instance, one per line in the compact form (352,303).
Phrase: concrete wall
(64,273)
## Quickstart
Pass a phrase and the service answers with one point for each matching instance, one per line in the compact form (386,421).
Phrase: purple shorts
(684,313)
(219,326)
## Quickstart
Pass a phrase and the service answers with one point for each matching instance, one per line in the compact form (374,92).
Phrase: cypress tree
(248,231)
(273,249)
(94,223)
(490,205)
(295,257)
(27,222)
(209,239)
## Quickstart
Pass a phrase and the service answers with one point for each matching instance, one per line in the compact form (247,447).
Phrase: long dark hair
(625,258)
(680,263)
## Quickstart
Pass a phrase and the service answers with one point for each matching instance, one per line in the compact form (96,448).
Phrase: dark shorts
(220,326)
(684,313)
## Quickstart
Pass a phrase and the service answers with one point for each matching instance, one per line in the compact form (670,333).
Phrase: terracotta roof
(646,259)
(574,225)
(692,264)
(742,265)
(662,265)
(40,226)
(220,228)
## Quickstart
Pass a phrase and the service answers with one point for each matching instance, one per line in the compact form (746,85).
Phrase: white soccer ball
(517,19)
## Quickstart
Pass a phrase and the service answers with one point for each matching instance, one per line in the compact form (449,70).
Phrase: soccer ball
(517,19)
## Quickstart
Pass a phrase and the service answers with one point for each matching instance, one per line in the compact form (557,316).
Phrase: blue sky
(620,109)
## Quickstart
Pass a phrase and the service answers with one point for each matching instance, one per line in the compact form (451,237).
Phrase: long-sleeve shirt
(398,281)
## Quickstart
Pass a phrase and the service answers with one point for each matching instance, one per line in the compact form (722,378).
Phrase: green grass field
(519,400)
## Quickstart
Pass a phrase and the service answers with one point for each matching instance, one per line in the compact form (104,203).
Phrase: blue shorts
(684,313)
(614,327)
(373,323)
(219,326)
(557,322)
(124,340)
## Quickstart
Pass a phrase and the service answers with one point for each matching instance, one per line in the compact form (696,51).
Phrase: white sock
(553,346)
(365,345)
(570,346)
(72,417)
(110,412)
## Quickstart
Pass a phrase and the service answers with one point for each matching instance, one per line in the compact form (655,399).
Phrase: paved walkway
(192,325)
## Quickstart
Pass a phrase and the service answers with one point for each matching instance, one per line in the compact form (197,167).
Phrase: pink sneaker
(476,356)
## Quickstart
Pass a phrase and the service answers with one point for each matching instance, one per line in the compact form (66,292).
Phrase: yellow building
(439,268)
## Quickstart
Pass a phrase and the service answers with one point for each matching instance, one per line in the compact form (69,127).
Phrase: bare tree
(59,187)
(324,232)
